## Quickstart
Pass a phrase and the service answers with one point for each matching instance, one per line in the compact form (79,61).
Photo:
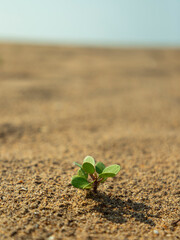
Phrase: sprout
(97,172)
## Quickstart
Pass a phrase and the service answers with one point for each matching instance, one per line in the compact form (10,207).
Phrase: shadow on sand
(116,210)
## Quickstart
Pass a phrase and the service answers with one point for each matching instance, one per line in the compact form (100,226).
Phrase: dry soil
(59,104)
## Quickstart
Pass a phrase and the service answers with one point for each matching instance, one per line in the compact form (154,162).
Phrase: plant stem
(100,180)
(92,176)
(95,185)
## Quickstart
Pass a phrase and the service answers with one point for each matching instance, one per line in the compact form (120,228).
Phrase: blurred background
(106,69)
(102,22)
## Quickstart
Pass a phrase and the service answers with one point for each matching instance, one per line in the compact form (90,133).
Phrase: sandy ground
(59,104)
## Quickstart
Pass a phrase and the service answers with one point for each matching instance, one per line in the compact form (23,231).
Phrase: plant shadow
(117,211)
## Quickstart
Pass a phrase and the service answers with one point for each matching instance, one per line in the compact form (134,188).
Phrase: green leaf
(77,164)
(88,165)
(82,173)
(79,182)
(89,186)
(99,167)
(89,159)
(75,176)
(110,171)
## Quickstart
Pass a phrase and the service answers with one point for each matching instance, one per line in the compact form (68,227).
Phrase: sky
(91,22)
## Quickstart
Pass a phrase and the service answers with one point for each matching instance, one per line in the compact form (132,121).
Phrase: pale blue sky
(106,22)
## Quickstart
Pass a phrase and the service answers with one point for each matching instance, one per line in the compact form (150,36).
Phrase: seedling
(97,172)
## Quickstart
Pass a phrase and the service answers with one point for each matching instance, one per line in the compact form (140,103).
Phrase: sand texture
(59,104)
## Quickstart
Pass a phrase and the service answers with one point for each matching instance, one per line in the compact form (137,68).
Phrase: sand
(121,106)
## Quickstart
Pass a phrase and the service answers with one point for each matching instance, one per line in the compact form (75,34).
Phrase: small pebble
(36,225)
(156,232)
(22,190)
(20,181)
(51,238)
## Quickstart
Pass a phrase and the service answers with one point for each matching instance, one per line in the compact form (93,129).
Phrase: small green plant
(97,172)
